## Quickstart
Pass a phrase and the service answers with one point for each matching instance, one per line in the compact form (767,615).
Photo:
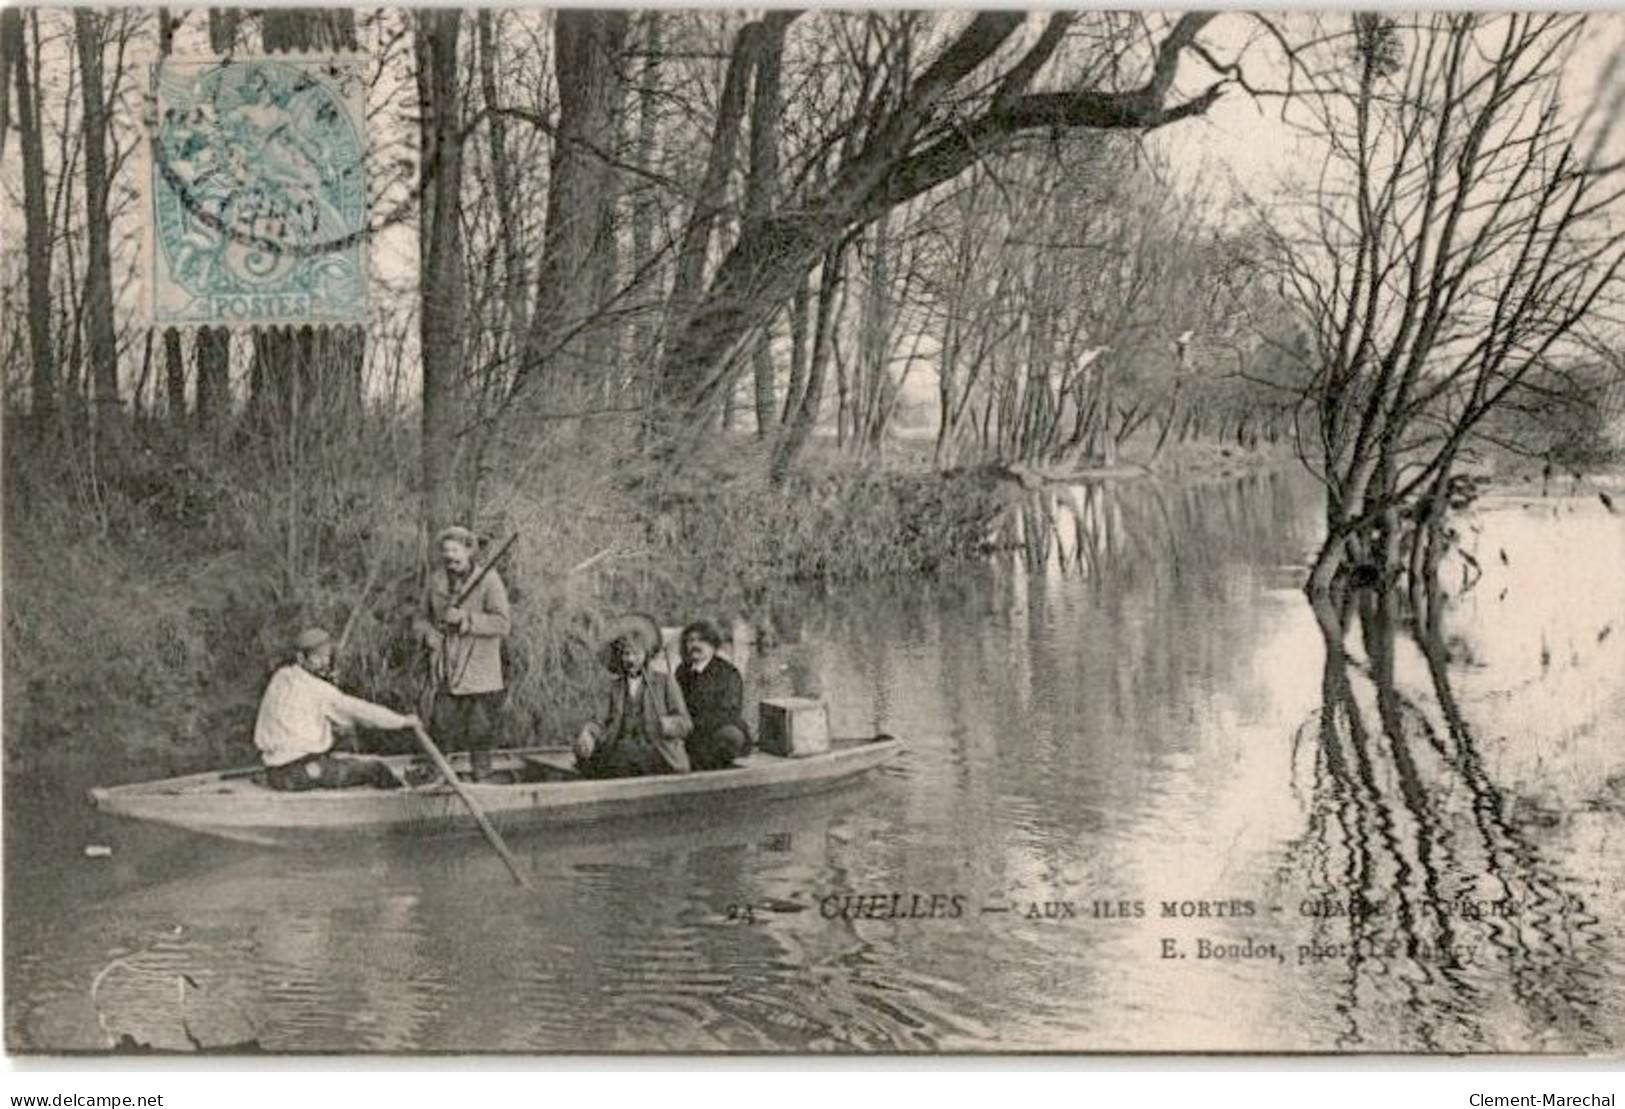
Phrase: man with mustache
(715,695)
(465,650)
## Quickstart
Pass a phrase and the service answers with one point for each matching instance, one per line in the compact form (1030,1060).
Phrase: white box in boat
(793,726)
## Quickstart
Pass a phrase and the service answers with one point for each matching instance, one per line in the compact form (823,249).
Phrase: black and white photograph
(814,533)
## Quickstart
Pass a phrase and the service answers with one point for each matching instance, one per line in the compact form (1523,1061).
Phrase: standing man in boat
(298,714)
(643,728)
(463,636)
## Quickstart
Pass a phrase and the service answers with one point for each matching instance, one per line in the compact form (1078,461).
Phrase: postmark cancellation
(256,192)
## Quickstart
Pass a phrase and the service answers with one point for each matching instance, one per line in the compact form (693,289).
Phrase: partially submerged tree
(1456,239)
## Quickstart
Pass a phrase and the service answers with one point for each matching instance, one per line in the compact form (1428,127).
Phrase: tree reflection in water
(1476,936)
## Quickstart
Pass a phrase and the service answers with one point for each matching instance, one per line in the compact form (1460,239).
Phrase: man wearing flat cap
(298,714)
(464,641)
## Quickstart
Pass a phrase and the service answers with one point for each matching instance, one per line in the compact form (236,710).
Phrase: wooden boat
(537,786)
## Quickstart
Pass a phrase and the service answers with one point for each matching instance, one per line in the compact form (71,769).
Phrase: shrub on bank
(146,611)
(825,527)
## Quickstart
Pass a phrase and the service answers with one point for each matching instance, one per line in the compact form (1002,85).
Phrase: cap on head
(458,533)
(310,639)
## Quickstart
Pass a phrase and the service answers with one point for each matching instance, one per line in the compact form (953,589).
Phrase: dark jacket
(715,696)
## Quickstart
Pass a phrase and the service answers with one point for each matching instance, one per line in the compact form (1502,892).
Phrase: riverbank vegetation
(706,307)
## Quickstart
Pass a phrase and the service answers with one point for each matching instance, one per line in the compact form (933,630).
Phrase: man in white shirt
(298,714)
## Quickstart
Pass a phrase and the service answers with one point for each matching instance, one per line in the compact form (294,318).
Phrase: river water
(1142,807)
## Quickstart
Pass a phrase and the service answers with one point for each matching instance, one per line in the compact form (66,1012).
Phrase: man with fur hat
(646,722)
(464,642)
(298,714)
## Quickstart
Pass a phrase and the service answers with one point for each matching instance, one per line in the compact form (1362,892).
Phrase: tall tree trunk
(174,376)
(587,51)
(514,275)
(688,283)
(174,362)
(441,284)
(798,351)
(644,208)
(211,349)
(874,339)
(801,426)
(36,225)
(760,186)
(762,375)
(603,354)
(101,339)
(11,34)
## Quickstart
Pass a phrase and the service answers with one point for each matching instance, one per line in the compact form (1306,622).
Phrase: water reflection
(1433,899)
(1131,703)
(1095,530)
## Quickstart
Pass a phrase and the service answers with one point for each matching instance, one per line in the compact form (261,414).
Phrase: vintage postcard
(828,531)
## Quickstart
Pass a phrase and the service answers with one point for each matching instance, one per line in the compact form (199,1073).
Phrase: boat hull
(235,805)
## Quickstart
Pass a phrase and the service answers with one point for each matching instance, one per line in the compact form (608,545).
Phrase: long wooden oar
(480,818)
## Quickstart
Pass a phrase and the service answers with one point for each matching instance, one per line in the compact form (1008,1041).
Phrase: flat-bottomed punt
(541,787)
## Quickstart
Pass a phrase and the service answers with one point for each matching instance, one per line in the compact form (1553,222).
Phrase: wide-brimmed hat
(639,628)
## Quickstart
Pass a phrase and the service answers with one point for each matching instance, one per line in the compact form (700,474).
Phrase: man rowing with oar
(298,715)
(462,624)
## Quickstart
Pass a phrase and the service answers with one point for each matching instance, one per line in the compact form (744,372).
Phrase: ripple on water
(1147,730)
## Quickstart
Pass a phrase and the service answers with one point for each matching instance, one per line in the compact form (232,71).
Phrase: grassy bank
(145,607)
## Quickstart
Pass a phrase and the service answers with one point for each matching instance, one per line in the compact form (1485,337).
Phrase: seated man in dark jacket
(715,695)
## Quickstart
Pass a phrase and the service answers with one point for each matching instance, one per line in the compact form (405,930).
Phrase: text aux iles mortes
(1204,909)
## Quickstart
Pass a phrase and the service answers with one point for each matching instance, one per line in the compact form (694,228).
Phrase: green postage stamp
(257,192)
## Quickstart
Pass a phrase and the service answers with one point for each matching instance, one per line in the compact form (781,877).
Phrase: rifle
(431,678)
(474,581)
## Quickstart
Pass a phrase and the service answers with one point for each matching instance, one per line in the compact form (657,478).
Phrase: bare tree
(1457,238)
(1076,296)
(36,226)
(914,131)
(212,347)
(441,312)
(579,231)
(766,109)
(502,186)
(174,360)
(89,37)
